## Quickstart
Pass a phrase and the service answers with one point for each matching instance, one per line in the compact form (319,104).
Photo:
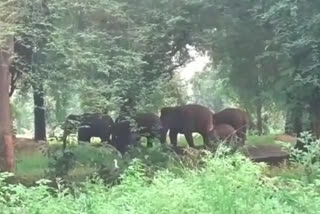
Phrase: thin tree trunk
(39,113)
(259,118)
(288,128)
(297,127)
(7,159)
(297,121)
(315,115)
(293,123)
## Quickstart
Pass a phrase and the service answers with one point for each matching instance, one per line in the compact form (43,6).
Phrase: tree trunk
(293,123)
(39,113)
(7,159)
(315,115)
(259,118)
(288,128)
(297,126)
(297,121)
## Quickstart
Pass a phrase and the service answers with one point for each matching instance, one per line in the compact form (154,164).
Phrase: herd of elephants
(227,125)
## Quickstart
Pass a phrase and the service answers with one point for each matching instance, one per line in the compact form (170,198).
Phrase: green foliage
(31,165)
(7,20)
(309,157)
(294,45)
(101,55)
(209,90)
(224,185)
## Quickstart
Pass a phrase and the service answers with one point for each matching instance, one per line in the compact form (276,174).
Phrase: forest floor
(36,161)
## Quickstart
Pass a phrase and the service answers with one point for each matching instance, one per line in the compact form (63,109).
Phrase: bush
(308,158)
(224,185)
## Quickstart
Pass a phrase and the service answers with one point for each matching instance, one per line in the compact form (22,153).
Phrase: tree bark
(7,160)
(315,115)
(259,118)
(297,126)
(297,121)
(293,123)
(288,128)
(39,113)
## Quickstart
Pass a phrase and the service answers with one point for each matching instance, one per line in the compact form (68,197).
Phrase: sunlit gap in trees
(197,64)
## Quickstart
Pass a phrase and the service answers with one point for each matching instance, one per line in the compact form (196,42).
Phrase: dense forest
(123,57)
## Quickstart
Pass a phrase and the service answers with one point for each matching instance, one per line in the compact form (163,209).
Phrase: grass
(159,181)
(259,140)
(31,166)
(286,172)
(251,140)
(89,159)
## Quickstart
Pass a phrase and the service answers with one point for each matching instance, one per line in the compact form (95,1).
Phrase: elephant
(227,134)
(235,117)
(88,125)
(126,132)
(186,119)
(223,132)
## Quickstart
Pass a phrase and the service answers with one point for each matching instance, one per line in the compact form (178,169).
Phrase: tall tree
(7,160)
(7,29)
(39,113)
(296,40)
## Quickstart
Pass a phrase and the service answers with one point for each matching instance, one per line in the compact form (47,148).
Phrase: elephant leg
(173,137)
(163,135)
(242,135)
(109,139)
(205,139)
(84,134)
(105,138)
(189,138)
(241,138)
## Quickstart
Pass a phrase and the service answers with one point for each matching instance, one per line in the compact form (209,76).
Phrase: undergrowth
(222,184)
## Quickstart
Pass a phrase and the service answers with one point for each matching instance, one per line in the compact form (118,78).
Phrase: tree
(7,160)
(237,39)
(296,40)
(209,90)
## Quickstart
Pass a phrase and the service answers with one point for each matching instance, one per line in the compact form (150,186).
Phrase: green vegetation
(264,139)
(223,185)
(90,158)
(120,57)
(31,167)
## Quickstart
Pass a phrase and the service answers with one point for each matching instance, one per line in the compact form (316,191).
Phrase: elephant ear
(166,110)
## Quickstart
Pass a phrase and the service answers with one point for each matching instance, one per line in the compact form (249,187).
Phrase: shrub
(229,184)
(309,157)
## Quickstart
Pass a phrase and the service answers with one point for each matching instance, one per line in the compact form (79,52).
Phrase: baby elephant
(226,134)
(223,132)
(236,118)
(186,119)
